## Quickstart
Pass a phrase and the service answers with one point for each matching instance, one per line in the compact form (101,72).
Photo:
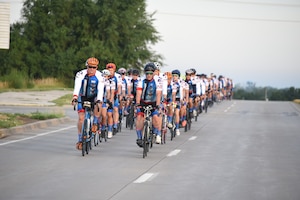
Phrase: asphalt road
(238,150)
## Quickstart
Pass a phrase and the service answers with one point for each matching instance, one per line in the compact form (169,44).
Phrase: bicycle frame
(87,135)
(147,130)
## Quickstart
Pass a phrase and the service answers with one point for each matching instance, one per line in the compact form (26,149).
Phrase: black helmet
(176,71)
(135,72)
(188,71)
(150,67)
(194,71)
(129,71)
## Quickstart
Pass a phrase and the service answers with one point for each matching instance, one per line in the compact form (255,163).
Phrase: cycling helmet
(111,65)
(157,66)
(168,75)
(106,72)
(150,67)
(135,72)
(194,71)
(188,71)
(129,72)
(176,71)
(122,71)
(92,62)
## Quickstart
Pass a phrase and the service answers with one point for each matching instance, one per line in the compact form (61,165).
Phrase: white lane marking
(4,109)
(143,178)
(174,153)
(38,135)
(193,138)
(231,106)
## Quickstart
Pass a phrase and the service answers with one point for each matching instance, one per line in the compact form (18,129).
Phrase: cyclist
(168,99)
(178,94)
(108,87)
(196,85)
(149,91)
(124,95)
(133,84)
(192,93)
(88,87)
(113,110)
(164,81)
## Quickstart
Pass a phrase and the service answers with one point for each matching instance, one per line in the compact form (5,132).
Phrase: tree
(57,36)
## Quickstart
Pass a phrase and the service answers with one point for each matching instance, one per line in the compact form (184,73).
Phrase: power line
(255,3)
(230,18)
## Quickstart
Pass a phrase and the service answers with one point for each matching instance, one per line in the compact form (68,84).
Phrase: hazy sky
(254,40)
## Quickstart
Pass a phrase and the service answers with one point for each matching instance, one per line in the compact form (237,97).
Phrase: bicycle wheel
(84,136)
(104,135)
(130,118)
(174,125)
(145,139)
(206,105)
(163,129)
(120,126)
(96,138)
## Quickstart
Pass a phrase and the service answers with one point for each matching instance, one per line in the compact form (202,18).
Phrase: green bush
(17,80)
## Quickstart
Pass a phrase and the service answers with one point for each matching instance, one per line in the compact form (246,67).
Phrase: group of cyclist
(114,92)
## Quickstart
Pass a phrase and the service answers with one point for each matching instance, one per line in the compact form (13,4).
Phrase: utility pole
(266,94)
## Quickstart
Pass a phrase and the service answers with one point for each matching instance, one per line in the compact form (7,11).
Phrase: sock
(109,127)
(139,134)
(115,125)
(155,130)
(177,125)
(158,132)
(80,137)
(95,121)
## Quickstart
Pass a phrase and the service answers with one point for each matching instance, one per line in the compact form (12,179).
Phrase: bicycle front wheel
(146,133)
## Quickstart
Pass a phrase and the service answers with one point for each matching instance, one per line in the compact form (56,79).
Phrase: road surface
(238,150)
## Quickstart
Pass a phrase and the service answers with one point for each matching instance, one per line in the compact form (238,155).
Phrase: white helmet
(157,65)
(122,71)
(105,72)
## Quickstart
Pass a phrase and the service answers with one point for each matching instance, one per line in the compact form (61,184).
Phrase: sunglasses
(92,67)
(149,72)
(109,67)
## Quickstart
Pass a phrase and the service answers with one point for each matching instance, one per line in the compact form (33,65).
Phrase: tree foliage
(262,93)
(55,37)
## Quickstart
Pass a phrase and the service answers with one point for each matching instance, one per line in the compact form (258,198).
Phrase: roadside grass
(297,101)
(64,100)
(32,85)
(8,120)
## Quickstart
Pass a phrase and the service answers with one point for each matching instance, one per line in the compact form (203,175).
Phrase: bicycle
(147,130)
(188,119)
(164,126)
(172,129)
(96,136)
(130,117)
(87,135)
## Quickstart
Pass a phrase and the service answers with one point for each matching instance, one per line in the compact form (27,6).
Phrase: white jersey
(78,83)
(179,87)
(203,86)
(196,83)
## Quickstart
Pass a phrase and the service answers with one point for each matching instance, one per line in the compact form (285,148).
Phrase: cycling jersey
(149,89)
(134,84)
(116,81)
(89,87)
(179,87)
(170,89)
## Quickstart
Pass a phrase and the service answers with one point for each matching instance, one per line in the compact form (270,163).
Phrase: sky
(246,40)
